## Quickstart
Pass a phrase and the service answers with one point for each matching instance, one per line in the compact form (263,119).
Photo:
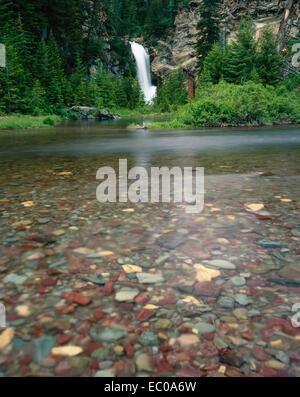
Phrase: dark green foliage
(208,29)
(268,62)
(245,59)
(228,104)
(240,57)
(213,66)
(173,92)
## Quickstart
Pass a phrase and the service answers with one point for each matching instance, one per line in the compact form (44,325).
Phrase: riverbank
(230,105)
(27,121)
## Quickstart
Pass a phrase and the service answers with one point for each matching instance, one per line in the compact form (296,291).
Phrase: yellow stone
(21,223)
(59,232)
(28,203)
(255,207)
(65,173)
(286,200)
(276,342)
(128,210)
(151,307)
(192,299)
(23,310)
(6,337)
(119,350)
(106,253)
(205,274)
(223,241)
(129,269)
(68,351)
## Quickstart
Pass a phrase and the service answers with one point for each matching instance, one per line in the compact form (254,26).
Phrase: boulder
(90,113)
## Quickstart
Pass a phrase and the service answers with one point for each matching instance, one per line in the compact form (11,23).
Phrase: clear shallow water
(55,172)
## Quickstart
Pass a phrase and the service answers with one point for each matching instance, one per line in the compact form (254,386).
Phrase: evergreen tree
(55,74)
(213,66)
(38,99)
(173,92)
(268,62)
(40,63)
(241,54)
(208,29)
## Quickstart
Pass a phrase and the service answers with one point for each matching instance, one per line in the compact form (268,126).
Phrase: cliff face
(177,50)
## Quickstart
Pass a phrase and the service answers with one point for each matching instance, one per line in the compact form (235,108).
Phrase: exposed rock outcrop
(177,50)
(87,113)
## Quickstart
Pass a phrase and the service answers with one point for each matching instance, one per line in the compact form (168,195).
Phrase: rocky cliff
(177,50)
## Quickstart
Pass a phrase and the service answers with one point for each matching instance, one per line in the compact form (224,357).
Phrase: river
(147,288)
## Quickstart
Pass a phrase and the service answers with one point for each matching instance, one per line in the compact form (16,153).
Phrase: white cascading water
(143,71)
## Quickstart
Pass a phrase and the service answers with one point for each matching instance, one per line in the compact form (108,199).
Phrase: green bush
(49,121)
(229,104)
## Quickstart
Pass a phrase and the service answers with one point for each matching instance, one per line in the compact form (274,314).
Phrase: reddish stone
(81,299)
(108,288)
(207,288)
(63,339)
(92,347)
(266,333)
(295,357)
(208,336)
(63,368)
(169,300)
(233,373)
(223,328)
(189,373)
(129,351)
(119,367)
(248,334)
(126,306)
(208,349)
(141,248)
(25,371)
(65,309)
(114,223)
(25,360)
(144,314)
(12,317)
(142,299)
(183,330)
(98,314)
(164,366)
(95,364)
(289,329)
(260,354)
(48,282)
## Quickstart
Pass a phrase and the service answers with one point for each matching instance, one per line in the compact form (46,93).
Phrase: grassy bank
(26,121)
(227,104)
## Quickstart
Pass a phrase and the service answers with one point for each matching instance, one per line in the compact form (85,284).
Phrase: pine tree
(208,29)
(55,74)
(268,62)
(38,99)
(241,54)
(213,66)
(40,63)
(173,92)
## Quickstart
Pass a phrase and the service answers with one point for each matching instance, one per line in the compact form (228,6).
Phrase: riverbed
(128,289)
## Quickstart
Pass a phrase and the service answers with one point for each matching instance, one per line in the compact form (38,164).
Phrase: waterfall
(143,71)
